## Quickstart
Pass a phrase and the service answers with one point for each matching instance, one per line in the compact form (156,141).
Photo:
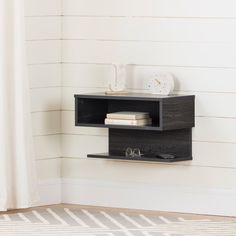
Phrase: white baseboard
(149,197)
(138,196)
(50,192)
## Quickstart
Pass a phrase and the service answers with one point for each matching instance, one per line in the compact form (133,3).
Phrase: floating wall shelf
(170,132)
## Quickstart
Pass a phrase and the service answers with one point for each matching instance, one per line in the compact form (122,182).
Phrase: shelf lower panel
(153,159)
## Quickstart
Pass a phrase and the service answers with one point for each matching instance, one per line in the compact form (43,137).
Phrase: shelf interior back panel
(151,107)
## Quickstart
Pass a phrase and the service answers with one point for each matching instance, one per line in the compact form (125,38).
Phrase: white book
(128,115)
(140,122)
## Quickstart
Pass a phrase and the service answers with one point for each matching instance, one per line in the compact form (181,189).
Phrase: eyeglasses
(133,152)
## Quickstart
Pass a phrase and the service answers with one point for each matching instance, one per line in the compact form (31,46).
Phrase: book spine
(127,122)
(127,117)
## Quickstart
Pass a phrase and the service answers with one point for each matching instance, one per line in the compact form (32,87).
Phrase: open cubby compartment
(92,112)
(167,113)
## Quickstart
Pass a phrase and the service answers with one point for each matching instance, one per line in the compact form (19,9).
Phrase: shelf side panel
(177,113)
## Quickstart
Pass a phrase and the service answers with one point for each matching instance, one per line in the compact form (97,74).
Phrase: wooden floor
(170,214)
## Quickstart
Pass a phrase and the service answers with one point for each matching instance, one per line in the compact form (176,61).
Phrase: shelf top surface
(131,96)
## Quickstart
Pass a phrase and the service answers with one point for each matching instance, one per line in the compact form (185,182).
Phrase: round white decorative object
(162,84)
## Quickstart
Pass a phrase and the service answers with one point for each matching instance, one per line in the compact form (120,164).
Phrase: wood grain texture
(151,143)
(177,113)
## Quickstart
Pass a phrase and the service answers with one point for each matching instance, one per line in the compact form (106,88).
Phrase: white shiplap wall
(43,35)
(196,41)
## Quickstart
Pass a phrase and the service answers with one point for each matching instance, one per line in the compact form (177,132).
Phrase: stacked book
(128,118)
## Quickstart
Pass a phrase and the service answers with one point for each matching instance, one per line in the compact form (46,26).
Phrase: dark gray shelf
(167,112)
(154,159)
(170,133)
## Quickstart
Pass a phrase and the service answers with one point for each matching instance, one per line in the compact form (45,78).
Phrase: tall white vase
(118,82)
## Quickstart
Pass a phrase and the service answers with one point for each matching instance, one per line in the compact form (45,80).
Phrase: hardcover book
(128,115)
(140,122)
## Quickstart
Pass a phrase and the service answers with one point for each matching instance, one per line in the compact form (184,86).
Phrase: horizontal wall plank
(150,53)
(46,51)
(158,8)
(204,153)
(42,7)
(45,123)
(86,75)
(80,145)
(214,104)
(215,129)
(48,75)
(48,146)
(149,173)
(186,79)
(41,28)
(49,169)
(46,99)
(207,104)
(213,154)
(68,95)
(151,29)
